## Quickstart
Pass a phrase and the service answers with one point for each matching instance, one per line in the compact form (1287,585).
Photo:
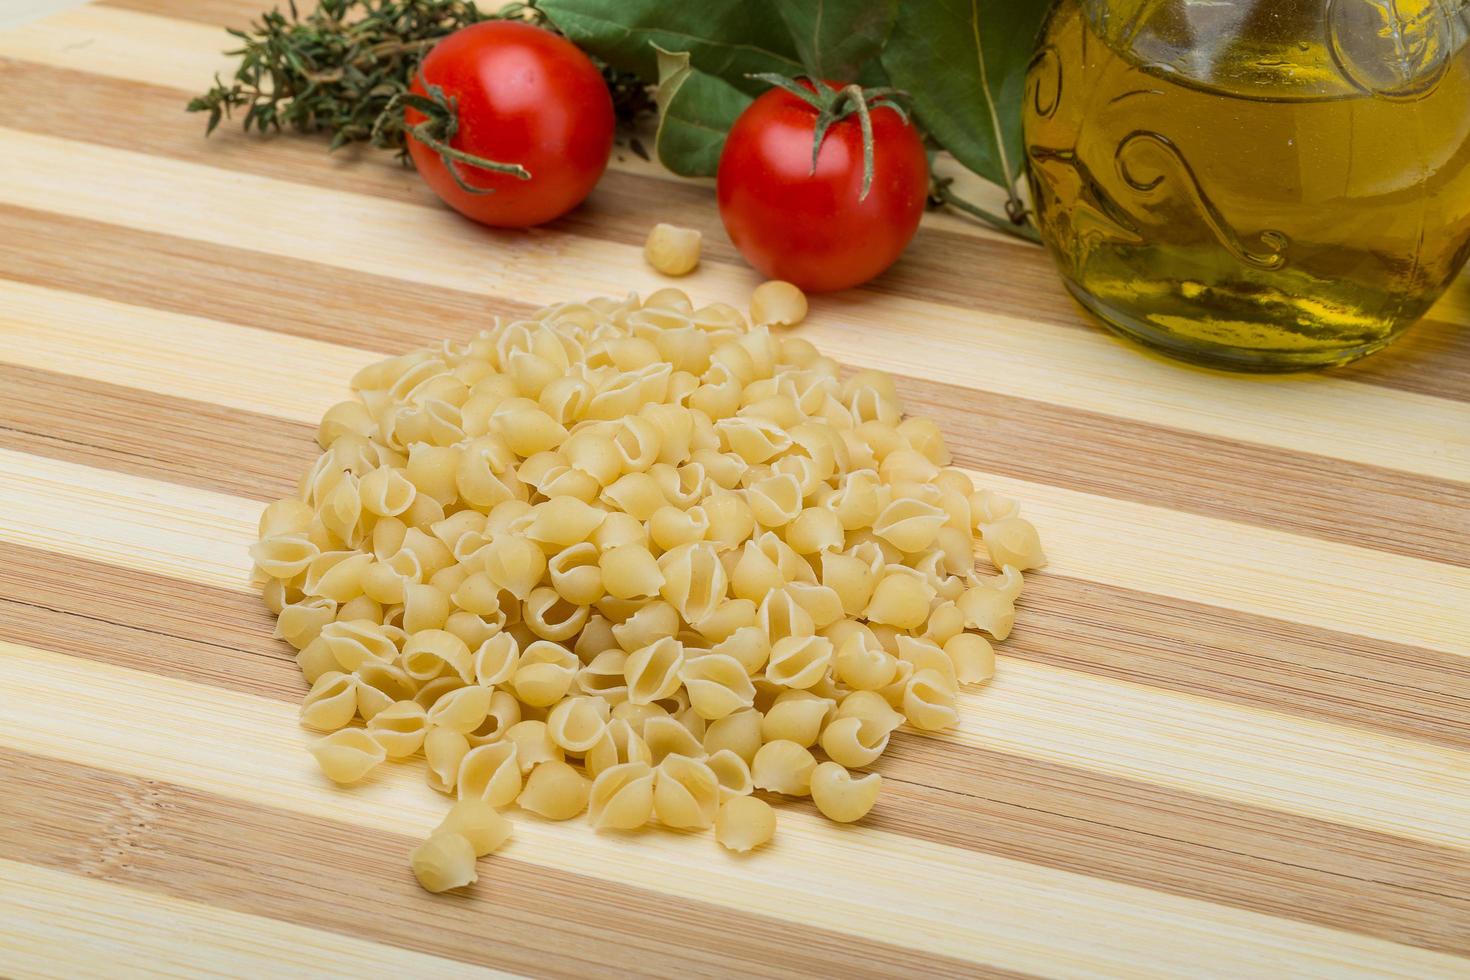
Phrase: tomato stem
(834,105)
(438,130)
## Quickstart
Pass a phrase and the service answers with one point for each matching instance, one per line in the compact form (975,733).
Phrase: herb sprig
(345,69)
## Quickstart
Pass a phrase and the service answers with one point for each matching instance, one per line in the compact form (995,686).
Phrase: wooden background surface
(1231,734)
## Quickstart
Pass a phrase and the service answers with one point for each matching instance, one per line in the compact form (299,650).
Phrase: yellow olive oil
(1259,185)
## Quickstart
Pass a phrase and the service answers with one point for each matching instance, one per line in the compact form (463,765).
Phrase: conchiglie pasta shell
(477,822)
(555,790)
(444,861)
(665,736)
(718,685)
(490,773)
(621,797)
(783,767)
(686,793)
(399,728)
(928,702)
(745,823)
(842,798)
(348,755)
(331,703)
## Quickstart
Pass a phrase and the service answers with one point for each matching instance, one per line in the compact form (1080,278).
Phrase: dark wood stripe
(1008,280)
(1029,439)
(1040,812)
(1092,452)
(133,431)
(1246,659)
(1172,840)
(339,877)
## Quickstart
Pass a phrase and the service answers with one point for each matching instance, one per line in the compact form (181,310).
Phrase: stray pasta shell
(839,796)
(672,250)
(446,860)
(784,767)
(331,703)
(745,823)
(477,822)
(777,303)
(347,755)
(1013,541)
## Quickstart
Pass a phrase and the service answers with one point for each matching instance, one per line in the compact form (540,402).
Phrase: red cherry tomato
(525,96)
(815,229)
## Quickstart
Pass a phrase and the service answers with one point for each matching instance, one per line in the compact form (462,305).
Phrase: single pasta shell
(839,796)
(783,766)
(348,755)
(477,822)
(444,861)
(745,823)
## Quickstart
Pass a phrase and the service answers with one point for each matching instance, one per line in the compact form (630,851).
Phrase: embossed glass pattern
(1256,184)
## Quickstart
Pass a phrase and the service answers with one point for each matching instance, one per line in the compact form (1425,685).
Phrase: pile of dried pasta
(634,559)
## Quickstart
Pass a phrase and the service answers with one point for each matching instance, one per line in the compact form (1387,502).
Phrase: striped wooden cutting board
(1230,736)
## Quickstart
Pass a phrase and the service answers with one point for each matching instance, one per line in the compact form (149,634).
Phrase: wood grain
(1390,597)
(940,892)
(1067,817)
(1010,355)
(171,840)
(1231,734)
(1117,727)
(1016,436)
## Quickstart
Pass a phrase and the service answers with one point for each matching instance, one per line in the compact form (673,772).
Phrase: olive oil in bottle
(1256,184)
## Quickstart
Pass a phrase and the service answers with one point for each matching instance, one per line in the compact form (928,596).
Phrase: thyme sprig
(345,69)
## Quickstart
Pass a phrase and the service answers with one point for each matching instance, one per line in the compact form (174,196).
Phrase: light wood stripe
(67,926)
(185,356)
(1153,549)
(128,521)
(1032,709)
(1410,432)
(1063,817)
(340,878)
(1019,437)
(945,900)
(1256,570)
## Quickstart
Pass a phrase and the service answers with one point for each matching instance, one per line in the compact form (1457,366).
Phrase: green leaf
(728,39)
(963,63)
(695,112)
(837,39)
